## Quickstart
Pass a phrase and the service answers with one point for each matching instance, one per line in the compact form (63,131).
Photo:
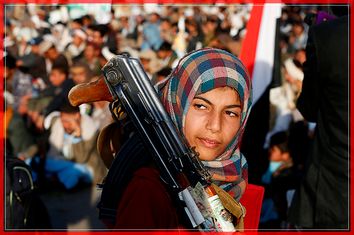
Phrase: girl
(208,96)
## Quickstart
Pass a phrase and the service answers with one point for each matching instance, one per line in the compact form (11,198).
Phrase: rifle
(128,88)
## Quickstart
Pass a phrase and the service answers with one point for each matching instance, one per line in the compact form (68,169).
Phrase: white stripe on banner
(264,61)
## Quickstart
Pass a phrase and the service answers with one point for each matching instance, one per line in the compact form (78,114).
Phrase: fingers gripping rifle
(127,86)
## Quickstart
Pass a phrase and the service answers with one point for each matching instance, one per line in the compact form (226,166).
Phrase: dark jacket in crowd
(322,199)
(61,62)
(60,95)
(36,65)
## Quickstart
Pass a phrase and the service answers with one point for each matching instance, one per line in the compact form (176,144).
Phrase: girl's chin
(207,156)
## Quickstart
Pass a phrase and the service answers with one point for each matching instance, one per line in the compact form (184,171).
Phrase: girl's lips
(209,143)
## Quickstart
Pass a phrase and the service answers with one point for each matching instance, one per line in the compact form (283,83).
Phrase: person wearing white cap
(61,36)
(283,98)
(74,51)
(52,56)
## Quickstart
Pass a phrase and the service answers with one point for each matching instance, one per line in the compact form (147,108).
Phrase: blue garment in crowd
(69,173)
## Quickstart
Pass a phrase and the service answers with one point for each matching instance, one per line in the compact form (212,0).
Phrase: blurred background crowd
(51,48)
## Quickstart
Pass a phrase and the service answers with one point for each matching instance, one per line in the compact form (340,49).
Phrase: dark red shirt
(146,204)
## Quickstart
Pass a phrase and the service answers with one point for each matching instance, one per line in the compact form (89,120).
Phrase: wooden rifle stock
(90,92)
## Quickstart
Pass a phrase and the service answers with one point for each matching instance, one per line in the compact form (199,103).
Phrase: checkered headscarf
(201,71)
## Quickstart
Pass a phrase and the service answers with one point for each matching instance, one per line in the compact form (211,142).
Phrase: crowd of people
(48,52)
(50,49)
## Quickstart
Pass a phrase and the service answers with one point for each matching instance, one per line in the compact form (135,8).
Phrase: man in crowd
(72,155)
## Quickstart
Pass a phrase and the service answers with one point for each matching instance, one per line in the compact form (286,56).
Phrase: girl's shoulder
(145,203)
(147,180)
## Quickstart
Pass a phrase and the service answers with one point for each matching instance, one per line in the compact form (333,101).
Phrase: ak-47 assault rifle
(128,88)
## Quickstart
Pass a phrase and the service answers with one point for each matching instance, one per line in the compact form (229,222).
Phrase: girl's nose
(214,122)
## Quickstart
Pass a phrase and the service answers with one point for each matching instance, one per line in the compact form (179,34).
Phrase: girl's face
(212,121)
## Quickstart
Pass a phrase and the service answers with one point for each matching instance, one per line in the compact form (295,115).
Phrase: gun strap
(109,142)
(232,206)
(131,156)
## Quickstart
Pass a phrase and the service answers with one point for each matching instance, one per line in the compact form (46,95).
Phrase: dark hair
(297,64)
(35,41)
(61,69)
(299,142)
(165,46)
(78,20)
(212,18)
(66,107)
(298,23)
(85,66)
(62,23)
(10,62)
(124,53)
(191,21)
(284,37)
(166,20)
(101,28)
(88,17)
(95,47)
(339,10)
(280,139)
(165,71)
(80,64)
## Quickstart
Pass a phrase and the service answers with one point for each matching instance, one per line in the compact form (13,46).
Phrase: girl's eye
(232,114)
(200,106)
